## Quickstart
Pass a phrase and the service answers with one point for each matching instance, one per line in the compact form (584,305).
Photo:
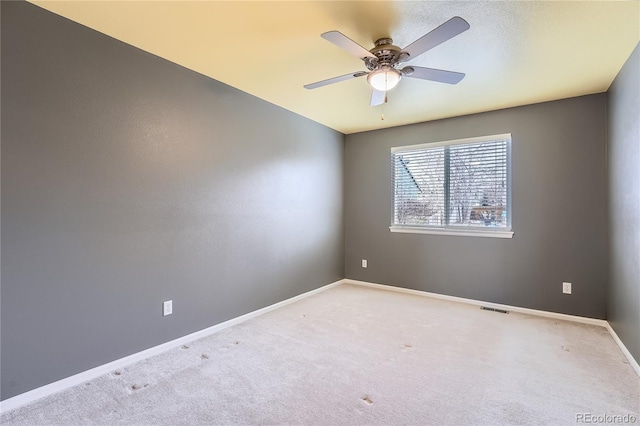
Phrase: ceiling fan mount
(384,42)
(384,59)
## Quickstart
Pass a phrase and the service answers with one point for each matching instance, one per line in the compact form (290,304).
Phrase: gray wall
(128,180)
(623,111)
(559,212)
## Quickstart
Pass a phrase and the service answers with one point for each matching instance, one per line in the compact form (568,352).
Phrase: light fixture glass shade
(383,79)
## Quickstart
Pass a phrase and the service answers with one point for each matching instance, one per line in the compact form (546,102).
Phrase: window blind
(453,184)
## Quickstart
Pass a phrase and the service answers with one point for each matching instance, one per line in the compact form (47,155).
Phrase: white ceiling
(516,52)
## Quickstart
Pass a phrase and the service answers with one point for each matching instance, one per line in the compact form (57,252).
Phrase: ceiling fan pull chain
(385,101)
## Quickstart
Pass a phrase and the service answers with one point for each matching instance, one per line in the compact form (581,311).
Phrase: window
(459,187)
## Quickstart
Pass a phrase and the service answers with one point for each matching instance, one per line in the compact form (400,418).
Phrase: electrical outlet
(167,308)
(364,263)
(566,288)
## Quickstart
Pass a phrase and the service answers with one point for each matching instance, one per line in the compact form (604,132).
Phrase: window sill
(449,231)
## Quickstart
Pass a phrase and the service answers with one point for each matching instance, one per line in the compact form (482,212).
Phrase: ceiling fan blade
(450,77)
(344,42)
(444,32)
(335,80)
(378,97)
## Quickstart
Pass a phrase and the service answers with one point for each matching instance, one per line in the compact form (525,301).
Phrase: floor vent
(502,311)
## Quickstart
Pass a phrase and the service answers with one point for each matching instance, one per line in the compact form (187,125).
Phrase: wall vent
(486,308)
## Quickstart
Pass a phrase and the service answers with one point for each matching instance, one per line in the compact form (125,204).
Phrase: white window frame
(451,230)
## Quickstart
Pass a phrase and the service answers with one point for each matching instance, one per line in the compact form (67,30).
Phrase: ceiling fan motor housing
(386,55)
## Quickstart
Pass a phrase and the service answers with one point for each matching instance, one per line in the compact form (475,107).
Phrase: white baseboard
(623,348)
(85,376)
(554,315)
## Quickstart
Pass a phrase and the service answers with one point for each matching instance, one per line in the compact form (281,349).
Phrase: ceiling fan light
(385,78)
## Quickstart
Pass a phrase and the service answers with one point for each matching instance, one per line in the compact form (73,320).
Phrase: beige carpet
(353,356)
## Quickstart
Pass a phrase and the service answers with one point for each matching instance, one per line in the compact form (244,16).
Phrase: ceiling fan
(383,61)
